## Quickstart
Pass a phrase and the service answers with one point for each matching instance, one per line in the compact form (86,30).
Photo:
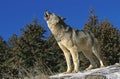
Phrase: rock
(110,72)
(95,77)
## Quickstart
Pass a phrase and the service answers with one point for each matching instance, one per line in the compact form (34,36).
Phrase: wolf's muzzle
(47,15)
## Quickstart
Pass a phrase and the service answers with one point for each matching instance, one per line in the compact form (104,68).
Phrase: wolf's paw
(67,72)
(102,66)
(89,68)
(74,71)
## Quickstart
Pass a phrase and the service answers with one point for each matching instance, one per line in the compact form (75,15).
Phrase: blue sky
(15,14)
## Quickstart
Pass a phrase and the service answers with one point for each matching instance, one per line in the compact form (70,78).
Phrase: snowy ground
(110,72)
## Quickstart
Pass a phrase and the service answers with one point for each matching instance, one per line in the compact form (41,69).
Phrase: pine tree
(5,56)
(108,37)
(29,49)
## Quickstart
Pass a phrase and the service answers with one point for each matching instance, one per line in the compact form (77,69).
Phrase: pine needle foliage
(108,36)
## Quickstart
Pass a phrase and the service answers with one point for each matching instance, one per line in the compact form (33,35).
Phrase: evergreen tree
(108,37)
(5,55)
(29,49)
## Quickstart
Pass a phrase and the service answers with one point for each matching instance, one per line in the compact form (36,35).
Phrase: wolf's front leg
(74,54)
(67,57)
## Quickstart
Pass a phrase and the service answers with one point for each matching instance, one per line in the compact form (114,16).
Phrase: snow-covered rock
(110,72)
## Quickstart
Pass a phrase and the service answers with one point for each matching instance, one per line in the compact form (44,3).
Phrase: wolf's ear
(62,18)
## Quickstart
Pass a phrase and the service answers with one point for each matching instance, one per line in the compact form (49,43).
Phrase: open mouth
(47,15)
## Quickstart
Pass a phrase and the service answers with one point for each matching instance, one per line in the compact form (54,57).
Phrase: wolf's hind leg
(89,55)
(90,67)
(97,54)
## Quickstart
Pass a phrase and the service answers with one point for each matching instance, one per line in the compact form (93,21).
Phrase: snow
(110,72)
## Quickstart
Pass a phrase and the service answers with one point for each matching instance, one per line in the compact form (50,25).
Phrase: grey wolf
(72,41)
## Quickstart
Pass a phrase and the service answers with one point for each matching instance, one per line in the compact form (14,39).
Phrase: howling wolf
(72,41)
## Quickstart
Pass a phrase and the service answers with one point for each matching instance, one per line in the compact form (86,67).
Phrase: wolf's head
(52,18)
